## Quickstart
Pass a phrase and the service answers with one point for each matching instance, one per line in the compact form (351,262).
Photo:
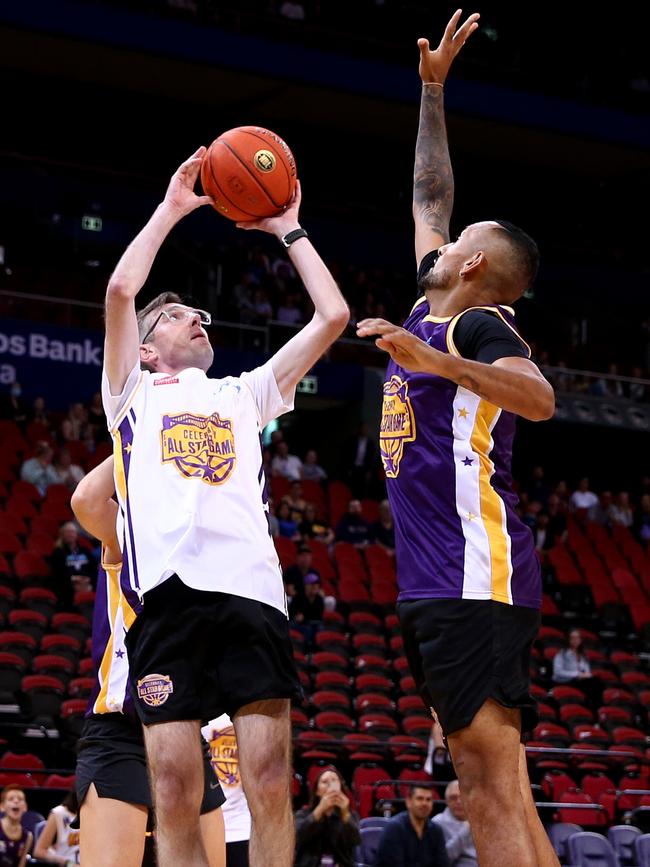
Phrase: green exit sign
(308,385)
(91,224)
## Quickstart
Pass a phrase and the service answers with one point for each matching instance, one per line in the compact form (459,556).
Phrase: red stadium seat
(364,780)
(326,699)
(30,622)
(9,543)
(335,723)
(573,714)
(379,724)
(567,695)
(374,683)
(19,643)
(52,664)
(584,817)
(58,781)
(325,660)
(420,726)
(609,717)
(29,566)
(27,762)
(363,748)
(12,523)
(81,687)
(71,624)
(411,705)
(367,642)
(556,783)
(40,544)
(26,490)
(38,599)
(373,702)
(365,622)
(332,680)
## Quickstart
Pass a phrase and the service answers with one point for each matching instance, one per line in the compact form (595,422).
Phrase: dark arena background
(549,127)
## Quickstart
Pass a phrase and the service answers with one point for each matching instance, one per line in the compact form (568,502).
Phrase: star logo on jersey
(155,689)
(200,447)
(225,759)
(397,425)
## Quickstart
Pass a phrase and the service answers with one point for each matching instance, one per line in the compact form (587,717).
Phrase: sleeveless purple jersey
(11,850)
(447,455)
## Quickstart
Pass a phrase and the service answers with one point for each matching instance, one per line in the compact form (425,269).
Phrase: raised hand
(180,193)
(434,65)
(283,222)
(404,348)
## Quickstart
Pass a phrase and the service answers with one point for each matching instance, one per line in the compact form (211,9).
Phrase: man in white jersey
(213,634)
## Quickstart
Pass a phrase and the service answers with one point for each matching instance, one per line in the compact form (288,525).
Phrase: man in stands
(411,838)
(458,835)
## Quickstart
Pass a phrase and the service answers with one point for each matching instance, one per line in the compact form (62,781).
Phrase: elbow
(338,319)
(544,407)
(117,289)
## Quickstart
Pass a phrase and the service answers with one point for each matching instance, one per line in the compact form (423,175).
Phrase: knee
(174,786)
(268,786)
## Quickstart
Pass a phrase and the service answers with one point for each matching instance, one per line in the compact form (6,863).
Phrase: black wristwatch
(290,237)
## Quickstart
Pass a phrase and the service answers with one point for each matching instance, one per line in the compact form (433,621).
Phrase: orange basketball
(249,172)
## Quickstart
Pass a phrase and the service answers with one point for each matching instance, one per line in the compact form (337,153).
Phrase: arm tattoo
(433,180)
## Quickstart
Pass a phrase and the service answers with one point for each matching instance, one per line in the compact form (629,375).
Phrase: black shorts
(195,654)
(462,652)
(111,754)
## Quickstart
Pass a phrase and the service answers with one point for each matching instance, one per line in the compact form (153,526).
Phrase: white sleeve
(262,383)
(113,404)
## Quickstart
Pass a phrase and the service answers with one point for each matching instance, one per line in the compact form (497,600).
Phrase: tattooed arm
(433,181)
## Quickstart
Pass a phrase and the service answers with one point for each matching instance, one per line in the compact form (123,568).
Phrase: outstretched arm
(331,313)
(122,345)
(96,510)
(514,384)
(433,180)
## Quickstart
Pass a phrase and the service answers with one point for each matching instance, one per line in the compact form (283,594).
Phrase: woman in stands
(15,841)
(327,831)
(571,668)
(58,843)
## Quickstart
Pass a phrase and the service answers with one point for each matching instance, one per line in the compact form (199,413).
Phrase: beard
(436,278)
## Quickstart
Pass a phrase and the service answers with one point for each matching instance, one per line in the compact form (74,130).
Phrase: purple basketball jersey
(447,455)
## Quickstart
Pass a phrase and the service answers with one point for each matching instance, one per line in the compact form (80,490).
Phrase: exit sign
(91,224)
(308,385)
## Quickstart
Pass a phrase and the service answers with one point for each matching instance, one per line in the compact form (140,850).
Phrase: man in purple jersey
(469,579)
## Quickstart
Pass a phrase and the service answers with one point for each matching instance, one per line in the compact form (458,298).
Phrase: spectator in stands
(285,464)
(58,843)
(73,567)
(621,511)
(262,310)
(353,527)
(410,838)
(459,842)
(97,419)
(277,437)
(38,412)
(12,405)
(562,493)
(327,831)
(286,525)
(556,531)
(288,312)
(540,532)
(361,454)
(582,497)
(312,528)
(39,470)
(382,532)
(600,512)
(292,10)
(306,610)
(69,474)
(311,469)
(296,502)
(294,576)
(537,488)
(642,519)
(571,667)
(15,841)
(73,426)
(530,513)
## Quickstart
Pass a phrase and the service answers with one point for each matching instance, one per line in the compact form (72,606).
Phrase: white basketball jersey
(190,483)
(67,840)
(225,761)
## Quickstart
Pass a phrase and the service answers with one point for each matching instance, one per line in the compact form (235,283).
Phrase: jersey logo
(201,447)
(225,759)
(169,381)
(397,425)
(155,689)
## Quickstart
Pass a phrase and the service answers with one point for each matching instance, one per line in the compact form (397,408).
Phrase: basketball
(250,173)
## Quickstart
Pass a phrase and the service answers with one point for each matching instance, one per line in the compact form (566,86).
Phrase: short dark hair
(144,316)
(524,255)
(423,785)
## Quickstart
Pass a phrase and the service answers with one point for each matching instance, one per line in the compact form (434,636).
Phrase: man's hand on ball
(281,223)
(180,193)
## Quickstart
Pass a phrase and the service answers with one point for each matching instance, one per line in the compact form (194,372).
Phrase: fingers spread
(450,29)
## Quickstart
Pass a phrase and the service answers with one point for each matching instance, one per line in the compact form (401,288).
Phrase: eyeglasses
(179,314)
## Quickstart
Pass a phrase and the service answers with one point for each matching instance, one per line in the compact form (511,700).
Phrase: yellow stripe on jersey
(119,472)
(113,593)
(418,302)
(492,507)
